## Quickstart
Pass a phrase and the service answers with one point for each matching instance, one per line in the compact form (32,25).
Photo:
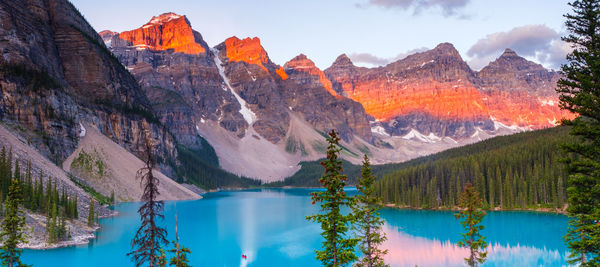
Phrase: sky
(371,32)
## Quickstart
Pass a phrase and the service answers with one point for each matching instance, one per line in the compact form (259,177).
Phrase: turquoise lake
(268,226)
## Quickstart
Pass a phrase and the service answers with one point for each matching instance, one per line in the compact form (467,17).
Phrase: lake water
(268,226)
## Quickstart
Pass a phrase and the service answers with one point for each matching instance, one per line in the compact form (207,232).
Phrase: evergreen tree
(180,259)
(471,215)
(51,225)
(13,224)
(338,249)
(580,94)
(91,213)
(368,223)
(150,237)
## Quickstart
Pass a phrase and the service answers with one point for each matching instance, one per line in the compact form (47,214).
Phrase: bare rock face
(520,92)
(315,99)
(184,85)
(431,91)
(56,72)
(164,32)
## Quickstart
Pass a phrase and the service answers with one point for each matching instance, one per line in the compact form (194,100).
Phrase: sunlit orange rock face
(439,84)
(303,64)
(167,31)
(249,50)
(436,82)
(522,93)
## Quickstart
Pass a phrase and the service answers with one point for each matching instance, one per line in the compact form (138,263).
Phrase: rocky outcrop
(522,93)
(164,32)
(56,72)
(312,96)
(432,91)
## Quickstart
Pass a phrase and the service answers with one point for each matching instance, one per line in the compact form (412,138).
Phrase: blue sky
(371,32)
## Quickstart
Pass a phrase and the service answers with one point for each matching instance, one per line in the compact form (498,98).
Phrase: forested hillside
(517,171)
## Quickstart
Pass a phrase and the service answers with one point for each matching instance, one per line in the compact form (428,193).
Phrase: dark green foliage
(36,80)
(102,199)
(200,167)
(55,204)
(180,259)
(368,223)
(13,224)
(338,248)
(510,172)
(310,171)
(471,214)
(91,213)
(580,94)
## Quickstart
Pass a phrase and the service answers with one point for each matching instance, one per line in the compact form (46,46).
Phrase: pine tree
(13,224)
(580,94)
(338,249)
(91,213)
(150,237)
(51,225)
(180,259)
(471,215)
(368,223)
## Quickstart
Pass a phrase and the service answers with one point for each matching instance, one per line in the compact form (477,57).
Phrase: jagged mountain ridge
(425,98)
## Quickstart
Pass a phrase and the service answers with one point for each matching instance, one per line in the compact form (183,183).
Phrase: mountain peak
(302,63)
(509,53)
(250,50)
(164,18)
(342,60)
(446,49)
(166,31)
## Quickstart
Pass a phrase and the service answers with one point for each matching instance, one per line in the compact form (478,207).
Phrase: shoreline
(562,211)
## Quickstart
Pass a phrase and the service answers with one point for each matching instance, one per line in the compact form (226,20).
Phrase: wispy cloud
(448,7)
(372,60)
(532,41)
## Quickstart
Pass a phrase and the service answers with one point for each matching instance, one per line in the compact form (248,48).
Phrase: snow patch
(161,19)
(514,128)
(248,115)
(416,135)
(81,130)
(425,63)
(379,130)
(202,120)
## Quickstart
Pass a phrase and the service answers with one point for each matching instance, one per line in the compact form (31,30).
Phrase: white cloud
(448,7)
(537,42)
(367,59)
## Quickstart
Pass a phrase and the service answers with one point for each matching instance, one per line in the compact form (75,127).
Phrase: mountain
(262,118)
(431,92)
(256,114)
(57,75)
(519,92)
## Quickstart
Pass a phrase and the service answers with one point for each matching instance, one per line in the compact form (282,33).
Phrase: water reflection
(407,250)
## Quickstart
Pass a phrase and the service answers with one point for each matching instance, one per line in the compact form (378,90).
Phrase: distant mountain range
(263,118)
(231,107)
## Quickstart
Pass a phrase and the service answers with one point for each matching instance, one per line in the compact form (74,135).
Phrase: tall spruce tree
(471,215)
(91,213)
(150,237)
(580,94)
(338,247)
(368,223)
(13,224)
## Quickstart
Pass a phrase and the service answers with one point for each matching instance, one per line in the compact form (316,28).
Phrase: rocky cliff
(56,73)
(435,92)
(432,92)
(522,93)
